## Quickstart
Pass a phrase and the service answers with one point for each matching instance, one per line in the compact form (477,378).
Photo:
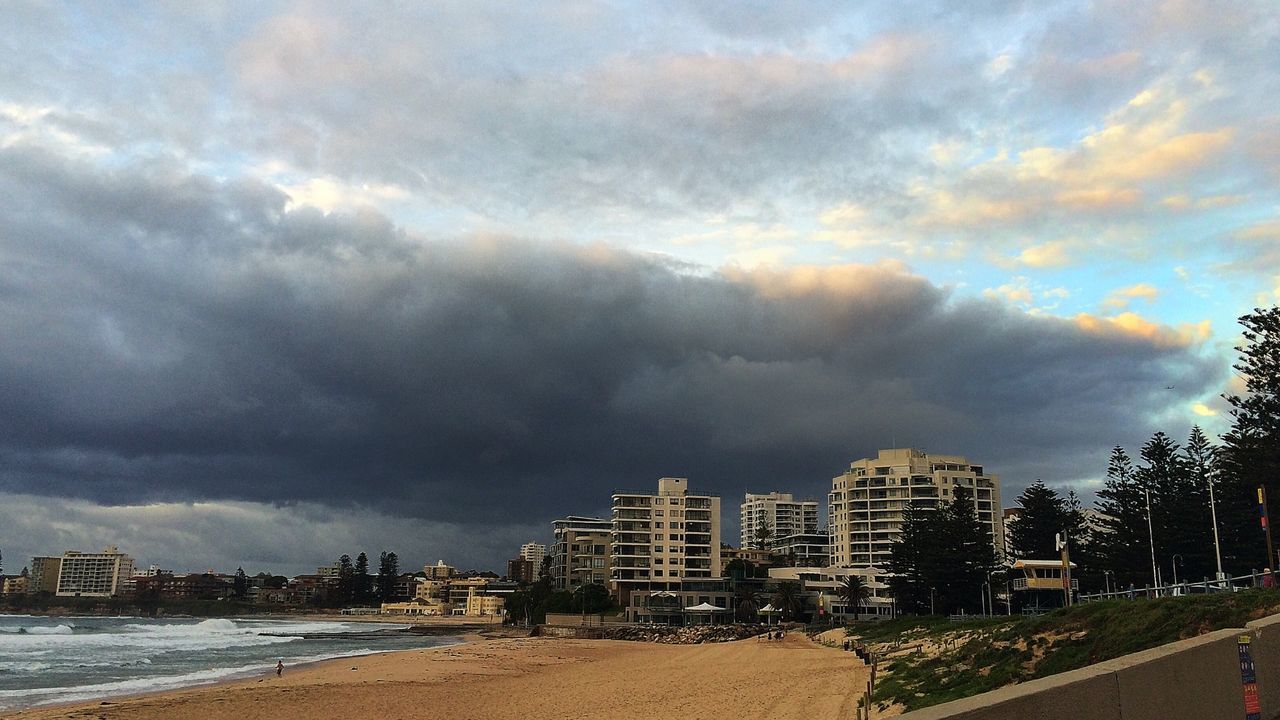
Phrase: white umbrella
(704,607)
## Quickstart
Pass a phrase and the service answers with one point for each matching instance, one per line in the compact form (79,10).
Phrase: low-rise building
(175,588)
(751,555)
(822,596)
(16,585)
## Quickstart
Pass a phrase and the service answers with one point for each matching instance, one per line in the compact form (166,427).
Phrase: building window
(659,524)
(657,513)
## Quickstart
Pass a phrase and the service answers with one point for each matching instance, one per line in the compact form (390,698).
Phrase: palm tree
(745,602)
(853,590)
(787,599)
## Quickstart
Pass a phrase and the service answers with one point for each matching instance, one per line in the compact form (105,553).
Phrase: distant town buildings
(534,553)
(101,574)
(521,571)
(866,502)
(767,517)
(43,578)
(581,552)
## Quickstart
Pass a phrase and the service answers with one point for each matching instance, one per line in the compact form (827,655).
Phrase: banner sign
(1249,679)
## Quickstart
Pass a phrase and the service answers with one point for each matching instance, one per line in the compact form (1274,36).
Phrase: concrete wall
(1195,678)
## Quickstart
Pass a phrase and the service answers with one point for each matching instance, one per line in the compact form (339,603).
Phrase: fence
(1227,584)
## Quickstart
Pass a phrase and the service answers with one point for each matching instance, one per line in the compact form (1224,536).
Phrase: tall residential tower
(867,501)
(767,518)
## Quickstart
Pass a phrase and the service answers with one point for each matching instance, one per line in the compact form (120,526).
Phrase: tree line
(356,585)
(1157,504)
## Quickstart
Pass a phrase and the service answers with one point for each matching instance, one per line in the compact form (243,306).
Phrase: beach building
(866,501)
(820,588)
(43,575)
(666,546)
(764,517)
(101,574)
(580,552)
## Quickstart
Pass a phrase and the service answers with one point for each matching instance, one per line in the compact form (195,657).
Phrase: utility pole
(1063,543)
(1266,527)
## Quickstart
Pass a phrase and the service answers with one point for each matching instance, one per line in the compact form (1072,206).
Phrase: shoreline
(510,678)
(450,633)
(110,700)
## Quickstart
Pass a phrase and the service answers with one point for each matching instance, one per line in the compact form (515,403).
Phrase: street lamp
(1106,580)
(1151,536)
(1177,558)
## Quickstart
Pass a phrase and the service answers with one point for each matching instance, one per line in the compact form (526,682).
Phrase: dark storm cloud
(170,337)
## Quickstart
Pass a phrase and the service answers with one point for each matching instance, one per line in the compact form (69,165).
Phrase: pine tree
(1120,543)
(1044,515)
(346,581)
(942,557)
(240,586)
(1179,510)
(1202,467)
(1251,449)
(388,573)
(907,559)
(361,587)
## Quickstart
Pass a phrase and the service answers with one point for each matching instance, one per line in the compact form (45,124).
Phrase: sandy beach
(517,678)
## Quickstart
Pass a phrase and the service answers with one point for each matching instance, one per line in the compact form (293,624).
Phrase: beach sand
(519,678)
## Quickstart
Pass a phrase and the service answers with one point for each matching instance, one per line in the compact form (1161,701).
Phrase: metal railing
(1226,584)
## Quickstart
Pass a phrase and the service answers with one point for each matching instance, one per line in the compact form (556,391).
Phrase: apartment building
(534,553)
(16,585)
(664,542)
(866,501)
(101,574)
(803,549)
(765,517)
(43,574)
(580,552)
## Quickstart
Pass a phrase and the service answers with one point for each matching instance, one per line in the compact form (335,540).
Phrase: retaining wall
(1195,678)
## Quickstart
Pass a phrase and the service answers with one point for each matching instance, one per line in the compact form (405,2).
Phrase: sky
(280,281)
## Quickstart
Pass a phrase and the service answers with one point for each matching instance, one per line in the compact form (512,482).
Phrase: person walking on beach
(279,668)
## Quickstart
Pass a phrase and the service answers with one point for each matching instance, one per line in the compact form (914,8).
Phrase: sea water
(66,659)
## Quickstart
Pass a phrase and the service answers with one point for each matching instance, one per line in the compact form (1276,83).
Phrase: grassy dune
(930,660)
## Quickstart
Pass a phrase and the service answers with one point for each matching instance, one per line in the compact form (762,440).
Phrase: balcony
(1042,583)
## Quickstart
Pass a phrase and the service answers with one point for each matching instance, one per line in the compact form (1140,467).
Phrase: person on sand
(279,668)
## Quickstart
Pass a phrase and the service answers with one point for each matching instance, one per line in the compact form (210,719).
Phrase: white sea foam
(46,695)
(45,630)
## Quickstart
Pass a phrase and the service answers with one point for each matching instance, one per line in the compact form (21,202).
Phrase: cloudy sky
(281,281)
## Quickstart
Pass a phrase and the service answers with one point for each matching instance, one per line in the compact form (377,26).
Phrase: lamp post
(1177,558)
(1151,536)
(1213,514)
(1106,580)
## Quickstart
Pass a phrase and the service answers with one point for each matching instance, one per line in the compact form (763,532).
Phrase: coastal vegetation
(927,660)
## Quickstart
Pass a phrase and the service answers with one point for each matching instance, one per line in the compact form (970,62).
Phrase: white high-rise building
(766,518)
(664,542)
(103,574)
(534,553)
(866,502)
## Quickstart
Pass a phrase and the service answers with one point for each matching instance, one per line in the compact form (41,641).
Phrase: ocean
(66,659)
